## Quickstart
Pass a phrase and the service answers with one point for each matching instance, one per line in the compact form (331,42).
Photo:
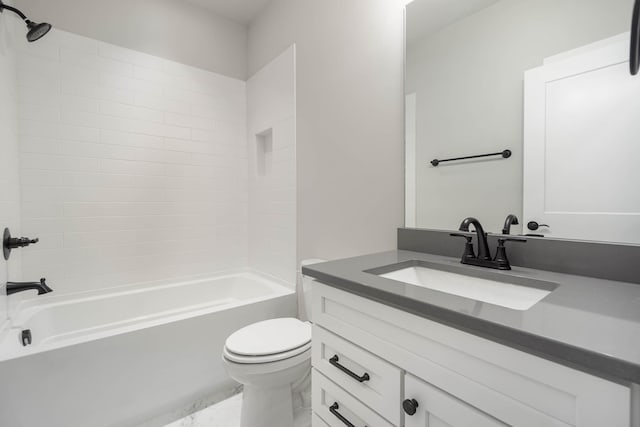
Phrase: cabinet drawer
(437,408)
(374,381)
(337,408)
(316,421)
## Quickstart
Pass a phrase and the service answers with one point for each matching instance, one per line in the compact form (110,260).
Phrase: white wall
(9,190)
(349,96)
(469,83)
(132,167)
(172,29)
(271,136)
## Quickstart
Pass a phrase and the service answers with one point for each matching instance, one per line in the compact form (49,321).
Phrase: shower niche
(264,152)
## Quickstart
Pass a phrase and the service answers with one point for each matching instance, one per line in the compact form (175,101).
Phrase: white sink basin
(509,295)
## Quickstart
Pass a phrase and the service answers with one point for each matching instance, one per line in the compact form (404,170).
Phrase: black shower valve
(9,243)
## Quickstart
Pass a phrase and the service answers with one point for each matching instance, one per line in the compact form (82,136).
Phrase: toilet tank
(305,295)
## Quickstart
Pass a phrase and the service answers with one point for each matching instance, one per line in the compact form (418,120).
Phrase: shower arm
(14,10)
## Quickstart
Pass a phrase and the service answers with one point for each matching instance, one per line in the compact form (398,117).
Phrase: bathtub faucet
(41,287)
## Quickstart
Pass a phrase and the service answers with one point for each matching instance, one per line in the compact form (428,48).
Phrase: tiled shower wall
(9,191)
(272,167)
(132,168)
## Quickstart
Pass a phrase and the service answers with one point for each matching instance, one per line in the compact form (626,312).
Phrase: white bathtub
(121,358)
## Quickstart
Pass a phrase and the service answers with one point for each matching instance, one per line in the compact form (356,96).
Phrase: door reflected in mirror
(547,80)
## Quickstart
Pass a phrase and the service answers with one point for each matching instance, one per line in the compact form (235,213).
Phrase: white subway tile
(81,209)
(153,75)
(93,62)
(130,84)
(189,146)
(116,145)
(130,111)
(132,167)
(120,124)
(57,131)
(78,103)
(47,47)
(95,91)
(162,103)
(58,163)
(39,113)
(47,97)
(189,121)
(93,239)
(46,67)
(206,136)
(40,209)
(37,79)
(130,139)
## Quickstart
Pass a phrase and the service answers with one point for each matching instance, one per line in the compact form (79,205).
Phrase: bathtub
(136,355)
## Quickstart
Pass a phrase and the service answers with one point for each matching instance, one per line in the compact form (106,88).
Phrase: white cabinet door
(581,148)
(435,408)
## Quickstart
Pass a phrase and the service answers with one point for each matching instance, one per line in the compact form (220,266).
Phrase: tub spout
(41,287)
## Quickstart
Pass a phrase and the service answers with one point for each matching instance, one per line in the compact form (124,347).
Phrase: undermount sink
(516,293)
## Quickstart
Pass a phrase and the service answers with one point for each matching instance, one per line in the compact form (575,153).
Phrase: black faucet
(500,261)
(41,287)
(511,220)
(483,246)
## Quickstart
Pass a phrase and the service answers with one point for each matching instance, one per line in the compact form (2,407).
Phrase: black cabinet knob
(410,406)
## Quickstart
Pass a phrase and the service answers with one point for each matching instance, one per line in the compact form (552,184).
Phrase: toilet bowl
(272,359)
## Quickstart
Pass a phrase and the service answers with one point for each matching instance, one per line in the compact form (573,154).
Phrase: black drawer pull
(334,410)
(334,361)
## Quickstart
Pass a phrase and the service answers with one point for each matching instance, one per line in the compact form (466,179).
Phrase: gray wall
(469,83)
(171,29)
(349,118)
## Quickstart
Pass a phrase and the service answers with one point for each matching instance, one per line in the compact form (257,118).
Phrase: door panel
(580,148)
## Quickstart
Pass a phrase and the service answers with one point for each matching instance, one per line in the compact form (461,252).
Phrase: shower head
(36,31)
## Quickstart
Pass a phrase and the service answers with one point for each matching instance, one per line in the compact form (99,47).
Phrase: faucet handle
(502,240)
(468,246)
(501,253)
(468,236)
(9,243)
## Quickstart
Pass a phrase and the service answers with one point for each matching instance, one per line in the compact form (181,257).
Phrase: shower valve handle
(21,242)
(9,243)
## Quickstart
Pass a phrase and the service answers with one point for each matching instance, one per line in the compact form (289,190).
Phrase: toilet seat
(268,341)
(246,360)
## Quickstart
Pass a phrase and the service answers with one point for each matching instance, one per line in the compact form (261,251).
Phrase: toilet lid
(269,358)
(269,337)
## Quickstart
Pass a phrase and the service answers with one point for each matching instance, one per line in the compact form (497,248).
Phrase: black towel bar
(505,154)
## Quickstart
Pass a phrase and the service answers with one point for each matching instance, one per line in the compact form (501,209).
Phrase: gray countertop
(589,324)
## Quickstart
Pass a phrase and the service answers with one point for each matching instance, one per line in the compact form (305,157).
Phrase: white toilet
(272,359)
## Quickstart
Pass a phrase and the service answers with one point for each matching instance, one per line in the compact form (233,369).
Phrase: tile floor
(227,414)
(222,414)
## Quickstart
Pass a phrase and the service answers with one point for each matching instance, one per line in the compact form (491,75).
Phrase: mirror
(547,80)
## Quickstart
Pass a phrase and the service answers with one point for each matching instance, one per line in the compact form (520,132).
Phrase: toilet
(272,359)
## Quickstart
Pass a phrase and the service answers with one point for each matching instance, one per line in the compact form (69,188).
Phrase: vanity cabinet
(435,408)
(369,359)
